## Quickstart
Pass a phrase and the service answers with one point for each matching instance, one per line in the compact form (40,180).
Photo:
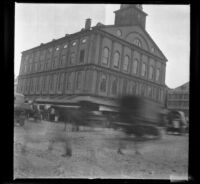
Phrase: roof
(114,26)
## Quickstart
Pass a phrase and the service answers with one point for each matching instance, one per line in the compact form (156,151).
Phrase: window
(62,61)
(54,82)
(151,72)
(82,56)
(43,84)
(134,88)
(152,49)
(38,67)
(78,80)
(51,83)
(61,81)
(142,90)
(103,83)
(157,74)
(47,83)
(57,49)
(143,69)
(116,59)
(72,58)
(65,46)
(38,85)
(124,87)
(157,94)
(55,63)
(135,66)
(69,81)
(42,66)
(105,56)
(161,95)
(150,92)
(74,43)
(126,63)
(84,41)
(137,42)
(119,33)
(114,87)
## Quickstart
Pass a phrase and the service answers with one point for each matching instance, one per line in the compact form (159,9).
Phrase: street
(94,154)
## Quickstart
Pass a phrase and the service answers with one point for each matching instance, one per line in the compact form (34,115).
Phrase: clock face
(119,33)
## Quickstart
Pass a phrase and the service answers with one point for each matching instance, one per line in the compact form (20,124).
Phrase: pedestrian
(52,114)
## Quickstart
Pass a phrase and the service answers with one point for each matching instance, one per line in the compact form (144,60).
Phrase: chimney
(87,23)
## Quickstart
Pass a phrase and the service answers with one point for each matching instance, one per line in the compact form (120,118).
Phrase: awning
(105,108)
(75,100)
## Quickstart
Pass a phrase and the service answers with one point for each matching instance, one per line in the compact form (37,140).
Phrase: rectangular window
(47,84)
(78,80)
(61,82)
(69,82)
(103,83)
(38,85)
(54,82)
(82,56)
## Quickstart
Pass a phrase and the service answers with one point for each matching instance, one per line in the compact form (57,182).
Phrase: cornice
(93,67)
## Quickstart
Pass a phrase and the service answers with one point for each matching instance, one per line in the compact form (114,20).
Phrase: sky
(168,26)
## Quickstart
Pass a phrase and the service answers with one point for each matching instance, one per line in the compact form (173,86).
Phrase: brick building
(178,99)
(97,64)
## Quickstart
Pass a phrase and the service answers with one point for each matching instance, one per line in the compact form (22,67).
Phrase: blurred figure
(139,117)
(44,133)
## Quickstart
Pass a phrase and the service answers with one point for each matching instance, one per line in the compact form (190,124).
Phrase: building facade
(178,99)
(97,64)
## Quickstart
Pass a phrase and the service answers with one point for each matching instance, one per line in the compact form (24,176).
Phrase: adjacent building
(96,64)
(178,99)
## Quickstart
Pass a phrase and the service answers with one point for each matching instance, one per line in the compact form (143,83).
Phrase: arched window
(151,72)
(62,60)
(103,83)
(126,63)
(105,57)
(116,59)
(135,66)
(143,69)
(137,42)
(157,74)
(114,87)
(72,58)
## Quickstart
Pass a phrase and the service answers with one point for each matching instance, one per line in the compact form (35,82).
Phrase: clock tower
(129,15)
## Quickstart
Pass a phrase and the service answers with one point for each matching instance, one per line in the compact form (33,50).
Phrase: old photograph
(101,91)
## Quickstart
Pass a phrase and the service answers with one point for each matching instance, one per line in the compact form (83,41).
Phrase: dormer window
(152,49)
(137,42)
(119,33)
(84,40)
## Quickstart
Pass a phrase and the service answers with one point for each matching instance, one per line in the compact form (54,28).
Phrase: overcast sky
(168,25)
